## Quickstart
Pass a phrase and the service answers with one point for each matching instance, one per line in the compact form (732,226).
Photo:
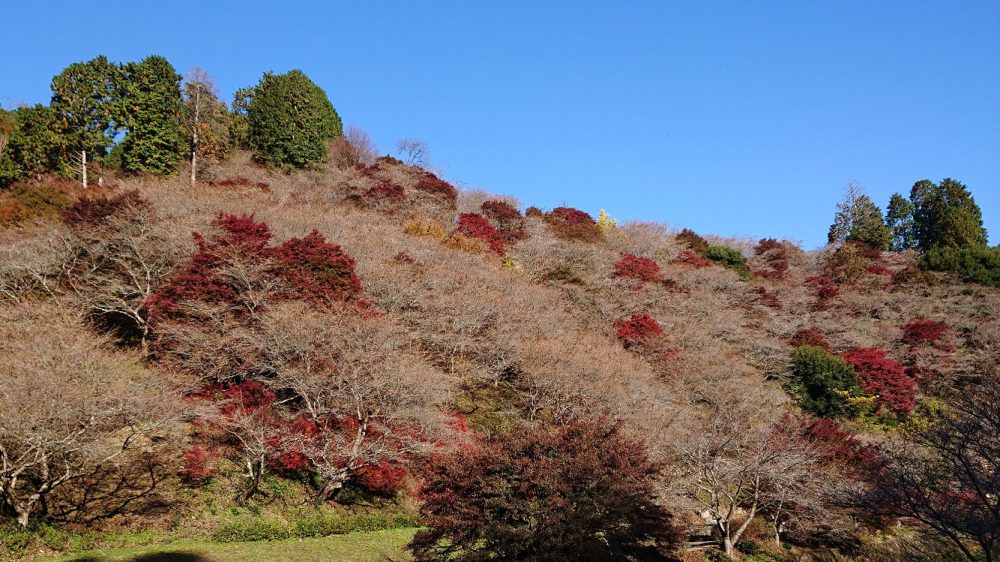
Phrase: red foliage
(885,378)
(573,224)
(240,181)
(385,478)
(317,270)
(769,300)
(93,210)
(841,447)
(246,398)
(809,336)
(312,268)
(878,270)
(634,267)
(197,464)
(692,259)
(384,196)
(533,212)
(429,183)
(476,226)
(825,288)
(638,330)
(922,331)
(507,219)
(775,256)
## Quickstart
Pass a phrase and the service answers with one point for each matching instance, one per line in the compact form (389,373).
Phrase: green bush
(290,119)
(14,540)
(975,264)
(249,530)
(825,383)
(730,258)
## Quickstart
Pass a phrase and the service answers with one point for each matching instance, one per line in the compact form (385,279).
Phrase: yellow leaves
(605,222)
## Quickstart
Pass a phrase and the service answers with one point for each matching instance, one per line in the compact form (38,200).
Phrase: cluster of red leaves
(923,331)
(385,478)
(573,224)
(824,288)
(765,298)
(384,196)
(638,330)
(690,258)
(775,256)
(310,267)
(630,266)
(240,181)
(842,447)
(94,210)
(429,183)
(809,336)
(885,378)
(197,464)
(507,219)
(474,225)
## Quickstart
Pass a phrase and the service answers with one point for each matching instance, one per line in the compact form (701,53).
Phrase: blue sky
(734,118)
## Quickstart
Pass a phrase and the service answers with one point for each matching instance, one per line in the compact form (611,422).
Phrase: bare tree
(69,404)
(947,478)
(414,150)
(362,144)
(364,387)
(204,118)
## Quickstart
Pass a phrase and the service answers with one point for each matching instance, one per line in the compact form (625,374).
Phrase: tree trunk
(83,167)
(728,546)
(254,470)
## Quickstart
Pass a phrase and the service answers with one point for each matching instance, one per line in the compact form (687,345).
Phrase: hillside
(547,319)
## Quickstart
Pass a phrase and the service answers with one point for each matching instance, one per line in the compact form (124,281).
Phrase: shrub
(239,181)
(922,331)
(507,219)
(911,276)
(533,212)
(605,222)
(769,300)
(693,241)
(476,226)
(974,264)
(440,189)
(252,530)
(825,383)
(197,464)
(94,210)
(584,491)
(775,255)
(824,288)
(385,478)
(384,196)
(44,200)
(811,337)
(730,258)
(630,266)
(846,264)
(884,378)
(573,224)
(691,258)
(638,330)
(290,119)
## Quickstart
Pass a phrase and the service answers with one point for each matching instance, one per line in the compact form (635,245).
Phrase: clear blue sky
(736,118)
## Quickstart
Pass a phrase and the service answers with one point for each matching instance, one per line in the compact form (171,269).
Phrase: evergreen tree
(946,215)
(86,102)
(154,143)
(290,119)
(35,146)
(858,219)
(899,221)
(239,127)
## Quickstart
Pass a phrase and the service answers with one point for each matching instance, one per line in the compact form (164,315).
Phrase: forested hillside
(242,323)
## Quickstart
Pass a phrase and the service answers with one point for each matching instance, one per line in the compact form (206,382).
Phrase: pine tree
(154,142)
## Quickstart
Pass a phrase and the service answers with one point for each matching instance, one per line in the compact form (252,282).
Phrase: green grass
(373,546)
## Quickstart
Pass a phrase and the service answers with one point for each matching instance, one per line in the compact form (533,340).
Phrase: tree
(946,215)
(206,120)
(880,376)
(899,221)
(858,219)
(35,145)
(415,151)
(290,119)
(583,491)
(70,405)
(947,477)
(87,100)
(153,117)
(239,126)
(826,383)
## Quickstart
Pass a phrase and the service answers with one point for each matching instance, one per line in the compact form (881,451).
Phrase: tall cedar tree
(35,145)
(899,221)
(946,215)
(578,492)
(290,119)
(858,219)
(154,143)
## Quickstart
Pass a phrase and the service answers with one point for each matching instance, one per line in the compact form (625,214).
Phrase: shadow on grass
(155,557)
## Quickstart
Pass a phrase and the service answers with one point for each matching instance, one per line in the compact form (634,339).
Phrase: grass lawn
(374,546)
